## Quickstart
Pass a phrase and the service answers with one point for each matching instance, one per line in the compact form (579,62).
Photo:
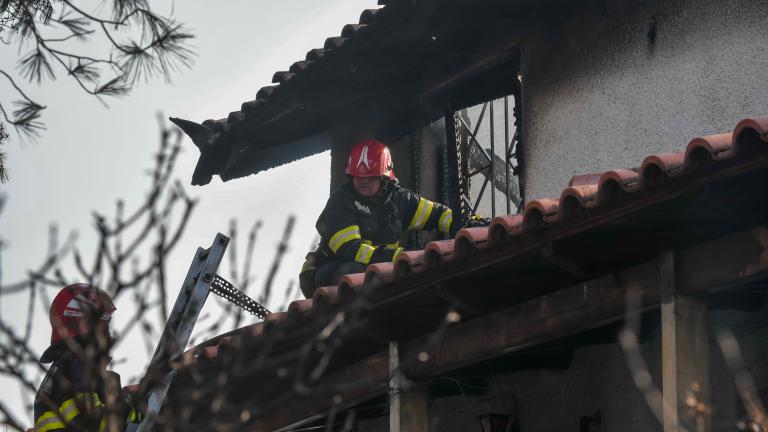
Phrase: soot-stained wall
(621,79)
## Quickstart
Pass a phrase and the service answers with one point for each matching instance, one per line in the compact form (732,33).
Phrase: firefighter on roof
(75,394)
(362,221)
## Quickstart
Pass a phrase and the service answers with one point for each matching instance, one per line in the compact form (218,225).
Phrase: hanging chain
(462,152)
(517,113)
(417,237)
(223,288)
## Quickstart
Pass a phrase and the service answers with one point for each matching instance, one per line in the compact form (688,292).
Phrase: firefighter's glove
(136,403)
(477,221)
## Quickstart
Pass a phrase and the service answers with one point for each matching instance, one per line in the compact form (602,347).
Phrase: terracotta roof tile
(586,202)
(299,66)
(469,241)
(438,253)
(755,127)
(281,76)
(255,329)
(349,30)
(584,194)
(584,179)
(380,273)
(274,320)
(367,16)
(576,199)
(316,54)
(235,116)
(299,310)
(325,298)
(408,263)
(540,212)
(335,42)
(265,92)
(662,164)
(350,285)
(503,227)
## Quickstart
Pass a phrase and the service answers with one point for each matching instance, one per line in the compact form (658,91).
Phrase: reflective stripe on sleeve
(50,420)
(446,219)
(422,214)
(134,416)
(364,253)
(396,254)
(343,236)
(68,410)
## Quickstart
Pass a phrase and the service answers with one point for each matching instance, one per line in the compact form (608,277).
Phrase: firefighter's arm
(347,245)
(83,411)
(424,215)
(134,403)
(337,224)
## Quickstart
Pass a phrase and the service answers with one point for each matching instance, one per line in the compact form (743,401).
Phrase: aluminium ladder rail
(200,280)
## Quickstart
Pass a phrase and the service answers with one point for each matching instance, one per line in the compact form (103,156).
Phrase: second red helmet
(76,309)
(370,158)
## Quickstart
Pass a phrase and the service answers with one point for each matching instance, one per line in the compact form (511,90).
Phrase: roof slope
(601,223)
(400,66)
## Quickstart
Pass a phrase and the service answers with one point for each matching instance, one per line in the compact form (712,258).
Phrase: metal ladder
(201,279)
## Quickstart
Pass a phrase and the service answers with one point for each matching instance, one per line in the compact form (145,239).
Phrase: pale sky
(90,156)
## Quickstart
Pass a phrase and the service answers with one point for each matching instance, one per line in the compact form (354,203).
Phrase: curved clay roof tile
(470,240)
(315,54)
(299,310)
(504,227)
(250,106)
(379,274)
(408,263)
(350,285)
(748,134)
(281,77)
(299,66)
(539,212)
(718,146)
(575,200)
(334,42)
(265,92)
(274,320)
(325,298)
(438,253)
(368,15)
(235,116)
(350,30)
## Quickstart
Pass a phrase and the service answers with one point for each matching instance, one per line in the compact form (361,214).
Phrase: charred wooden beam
(348,387)
(562,313)
(590,304)
(684,353)
(408,402)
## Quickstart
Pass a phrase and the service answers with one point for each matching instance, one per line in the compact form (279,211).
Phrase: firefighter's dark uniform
(71,398)
(357,231)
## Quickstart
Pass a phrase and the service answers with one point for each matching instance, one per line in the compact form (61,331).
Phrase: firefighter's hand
(478,221)
(136,402)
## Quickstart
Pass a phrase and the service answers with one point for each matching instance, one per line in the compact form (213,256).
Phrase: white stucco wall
(598,95)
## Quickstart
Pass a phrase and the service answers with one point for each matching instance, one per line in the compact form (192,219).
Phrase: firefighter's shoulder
(342,196)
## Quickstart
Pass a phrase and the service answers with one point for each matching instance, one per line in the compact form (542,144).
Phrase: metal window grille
(483,158)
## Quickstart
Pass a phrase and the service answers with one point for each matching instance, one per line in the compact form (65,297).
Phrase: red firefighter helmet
(76,309)
(370,158)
